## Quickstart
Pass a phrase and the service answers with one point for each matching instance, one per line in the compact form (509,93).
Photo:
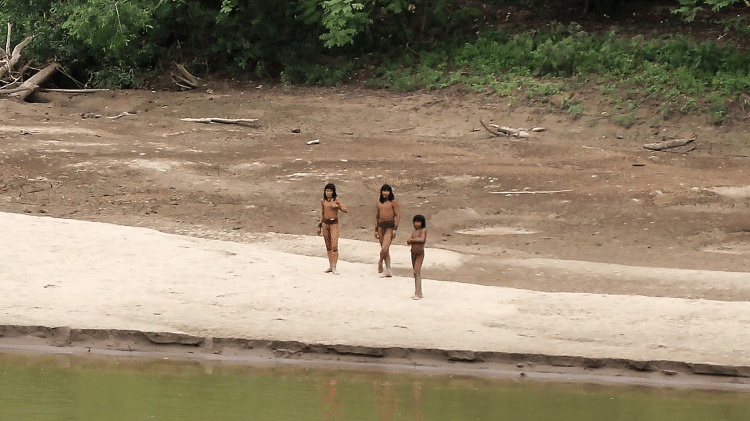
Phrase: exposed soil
(582,190)
(578,207)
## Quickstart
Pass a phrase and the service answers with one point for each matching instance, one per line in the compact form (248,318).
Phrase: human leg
(334,258)
(385,244)
(327,237)
(381,231)
(417,258)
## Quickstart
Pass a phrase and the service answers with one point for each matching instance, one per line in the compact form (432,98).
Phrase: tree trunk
(40,77)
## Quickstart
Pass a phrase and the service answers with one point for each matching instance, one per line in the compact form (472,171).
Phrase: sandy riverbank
(76,285)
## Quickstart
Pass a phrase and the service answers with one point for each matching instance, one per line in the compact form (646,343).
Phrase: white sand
(58,272)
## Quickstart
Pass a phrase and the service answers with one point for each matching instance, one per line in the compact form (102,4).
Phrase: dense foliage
(399,44)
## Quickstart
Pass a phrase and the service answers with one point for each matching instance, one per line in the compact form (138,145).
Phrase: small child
(417,240)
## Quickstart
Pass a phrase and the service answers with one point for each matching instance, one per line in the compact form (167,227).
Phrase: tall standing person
(329,224)
(387,217)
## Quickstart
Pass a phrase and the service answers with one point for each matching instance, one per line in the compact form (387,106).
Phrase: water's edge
(542,367)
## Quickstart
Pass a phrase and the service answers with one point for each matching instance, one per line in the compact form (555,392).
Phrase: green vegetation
(395,44)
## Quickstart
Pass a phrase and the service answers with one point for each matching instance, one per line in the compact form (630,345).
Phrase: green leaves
(343,19)
(109,27)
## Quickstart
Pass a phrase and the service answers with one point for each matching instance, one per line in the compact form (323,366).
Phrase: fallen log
(241,121)
(668,144)
(503,130)
(11,90)
(33,83)
(531,192)
(183,78)
(73,91)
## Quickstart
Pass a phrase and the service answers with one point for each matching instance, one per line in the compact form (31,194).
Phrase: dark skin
(386,210)
(417,241)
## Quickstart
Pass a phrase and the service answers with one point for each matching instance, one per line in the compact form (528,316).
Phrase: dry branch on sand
(507,131)
(33,83)
(10,60)
(183,78)
(252,122)
(15,56)
(73,91)
(668,144)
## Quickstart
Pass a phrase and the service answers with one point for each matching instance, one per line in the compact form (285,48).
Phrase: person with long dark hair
(417,240)
(329,224)
(387,217)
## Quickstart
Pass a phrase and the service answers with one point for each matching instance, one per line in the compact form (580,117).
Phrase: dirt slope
(654,223)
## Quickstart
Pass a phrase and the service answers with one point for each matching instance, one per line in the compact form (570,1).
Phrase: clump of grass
(626,120)
(683,76)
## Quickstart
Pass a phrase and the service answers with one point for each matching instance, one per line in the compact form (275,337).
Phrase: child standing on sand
(417,240)
(329,224)
(387,217)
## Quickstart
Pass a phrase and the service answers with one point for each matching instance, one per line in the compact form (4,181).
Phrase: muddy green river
(80,388)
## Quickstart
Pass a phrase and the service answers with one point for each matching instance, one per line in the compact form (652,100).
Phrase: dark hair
(329,186)
(387,188)
(421,219)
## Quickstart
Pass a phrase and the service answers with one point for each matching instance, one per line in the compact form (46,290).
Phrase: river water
(65,387)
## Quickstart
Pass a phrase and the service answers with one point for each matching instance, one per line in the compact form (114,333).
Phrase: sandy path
(59,272)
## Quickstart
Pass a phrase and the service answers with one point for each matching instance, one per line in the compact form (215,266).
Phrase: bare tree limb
(7,42)
(183,78)
(123,114)
(668,144)
(504,131)
(13,90)
(33,83)
(491,130)
(531,192)
(242,121)
(16,56)
(73,91)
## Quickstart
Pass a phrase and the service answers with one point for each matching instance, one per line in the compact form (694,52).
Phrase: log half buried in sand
(531,192)
(33,83)
(183,78)
(252,122)
(668,144)
(503,130)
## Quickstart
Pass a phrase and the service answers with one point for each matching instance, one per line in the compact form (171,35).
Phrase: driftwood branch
(183,78)
(507,131)
(7,42)
(532,192)
(253,122)
(668,144)
(33,83)
(12,90)
(73,91)
(16,56)
(123,114)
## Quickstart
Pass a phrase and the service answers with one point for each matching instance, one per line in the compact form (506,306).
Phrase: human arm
(396,213)
(377,219)
(396,216)
(342,206)
(320,222)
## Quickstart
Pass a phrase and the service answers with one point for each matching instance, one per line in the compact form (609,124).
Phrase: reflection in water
(329,400)
(417,413)
(46,388)
(385,401)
